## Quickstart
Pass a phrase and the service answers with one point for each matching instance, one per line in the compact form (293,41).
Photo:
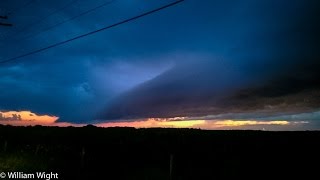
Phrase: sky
(211,64)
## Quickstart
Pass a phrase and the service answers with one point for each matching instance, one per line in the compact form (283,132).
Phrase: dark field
(128,153)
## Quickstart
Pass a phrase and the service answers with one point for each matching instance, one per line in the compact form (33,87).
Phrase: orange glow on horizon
(202,124)
(26,118)
(154,122)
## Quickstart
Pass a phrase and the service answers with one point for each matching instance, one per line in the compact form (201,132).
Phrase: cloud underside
(187,92)
(274,73)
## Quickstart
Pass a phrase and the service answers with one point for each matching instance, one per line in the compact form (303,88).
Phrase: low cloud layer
(198,91)
(275,71)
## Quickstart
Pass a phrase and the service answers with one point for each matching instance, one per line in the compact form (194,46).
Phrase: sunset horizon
(160,90)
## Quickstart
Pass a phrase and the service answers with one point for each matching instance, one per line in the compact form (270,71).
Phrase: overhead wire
(92,32)
(65,21)
(70,19)
(28,26)
(16,10)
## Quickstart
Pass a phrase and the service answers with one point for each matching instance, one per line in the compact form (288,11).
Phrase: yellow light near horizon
(183,124)
(202,124)
(245,123)
(154,122)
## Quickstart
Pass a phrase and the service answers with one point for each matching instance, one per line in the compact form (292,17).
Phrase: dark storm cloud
(273,70)
(194,59)
(44,89)
(72,81)
(201,89)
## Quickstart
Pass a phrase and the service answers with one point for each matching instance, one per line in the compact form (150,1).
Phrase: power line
(46,17)
(65,21)
(4,24)
(92,32)
(68,20)
(28,3)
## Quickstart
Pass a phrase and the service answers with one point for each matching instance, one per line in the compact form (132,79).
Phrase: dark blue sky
(232,58)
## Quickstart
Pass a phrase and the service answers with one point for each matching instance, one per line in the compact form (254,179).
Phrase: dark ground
(128,153)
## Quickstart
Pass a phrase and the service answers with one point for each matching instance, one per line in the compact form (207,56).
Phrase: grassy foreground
(128,153)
